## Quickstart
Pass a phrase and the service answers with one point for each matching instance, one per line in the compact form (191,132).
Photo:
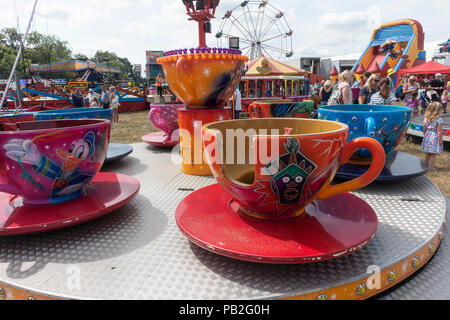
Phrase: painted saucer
(118,151)
(328,229)
(399,166)
(106,193)
(159,139)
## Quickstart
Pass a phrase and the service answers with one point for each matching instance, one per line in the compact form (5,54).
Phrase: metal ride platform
(416,127)
(138,252)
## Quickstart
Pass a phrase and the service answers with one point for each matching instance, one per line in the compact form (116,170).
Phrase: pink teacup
(52,161)
(165,117)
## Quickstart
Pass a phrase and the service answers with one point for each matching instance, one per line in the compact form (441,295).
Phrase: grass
(132,126)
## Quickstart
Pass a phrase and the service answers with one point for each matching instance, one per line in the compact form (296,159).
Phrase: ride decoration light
(203,54)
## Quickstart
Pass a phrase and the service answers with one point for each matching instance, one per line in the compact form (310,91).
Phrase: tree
(39,49)
(112,60)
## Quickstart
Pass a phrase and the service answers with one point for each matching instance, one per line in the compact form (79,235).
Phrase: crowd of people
(428,96)
(416,92)
(107,99)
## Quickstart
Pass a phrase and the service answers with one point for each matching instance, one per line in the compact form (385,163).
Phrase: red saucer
(159,139)
(106,193)
(328,229)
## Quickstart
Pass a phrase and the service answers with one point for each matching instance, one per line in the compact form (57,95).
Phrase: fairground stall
(267,79)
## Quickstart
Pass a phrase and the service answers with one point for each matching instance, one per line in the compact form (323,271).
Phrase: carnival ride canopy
(264,66)
(430,67)
(73,66)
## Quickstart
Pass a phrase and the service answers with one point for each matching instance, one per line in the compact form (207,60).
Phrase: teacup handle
(377,165)
(154,117)
(7,187)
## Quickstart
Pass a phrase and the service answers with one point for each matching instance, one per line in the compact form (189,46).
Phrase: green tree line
(45,49)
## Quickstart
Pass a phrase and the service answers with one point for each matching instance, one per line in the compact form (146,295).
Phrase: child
(95,103)
(444,100)
(413,103)
(432,144)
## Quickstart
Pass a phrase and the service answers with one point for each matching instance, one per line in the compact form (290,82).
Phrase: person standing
(159,85)
(106,98)
(432,144)
(5,103)
(325,92)
(114,104)
(343,93)
(78,99)
(237,104)
(91,97)
(444,100)
(369,89)
(391,78)
(437,85)
(410,87)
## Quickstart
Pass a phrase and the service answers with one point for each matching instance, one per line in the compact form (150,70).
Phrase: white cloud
(443,5)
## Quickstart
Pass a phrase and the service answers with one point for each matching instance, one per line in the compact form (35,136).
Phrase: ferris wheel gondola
(261,28)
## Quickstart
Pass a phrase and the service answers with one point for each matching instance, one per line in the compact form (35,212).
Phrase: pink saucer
(106,193)
(159,139)
(328,229)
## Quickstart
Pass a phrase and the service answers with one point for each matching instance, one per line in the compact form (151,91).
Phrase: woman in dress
(114,104)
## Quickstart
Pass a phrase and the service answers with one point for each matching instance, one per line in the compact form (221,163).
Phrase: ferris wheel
(258,29)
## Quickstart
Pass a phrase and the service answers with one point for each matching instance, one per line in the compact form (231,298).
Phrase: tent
(264,66)
(426,68)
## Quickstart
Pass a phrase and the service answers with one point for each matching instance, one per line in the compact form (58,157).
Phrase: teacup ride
(165,118)
(204,79)
(280,209)
(388,125)
(280,109)
(8,121)
(50,179)
(116,151)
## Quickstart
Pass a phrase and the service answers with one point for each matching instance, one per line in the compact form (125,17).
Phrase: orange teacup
(204,78)
(274,168)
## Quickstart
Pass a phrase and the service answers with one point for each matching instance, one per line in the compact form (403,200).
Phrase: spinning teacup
(387,124)
(49,162)
(165,117)
(274,168)
(203,78)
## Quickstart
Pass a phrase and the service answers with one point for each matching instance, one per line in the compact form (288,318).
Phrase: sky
(130,27)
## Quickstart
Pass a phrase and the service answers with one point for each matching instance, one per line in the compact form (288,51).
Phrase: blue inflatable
(387,124)
(75,113)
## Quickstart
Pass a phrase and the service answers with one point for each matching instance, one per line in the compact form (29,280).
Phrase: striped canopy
(264,66)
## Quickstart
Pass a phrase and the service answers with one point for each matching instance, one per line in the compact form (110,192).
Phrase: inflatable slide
(394,45)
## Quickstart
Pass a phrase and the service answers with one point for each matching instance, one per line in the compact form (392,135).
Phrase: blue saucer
(399,166)
(117,151)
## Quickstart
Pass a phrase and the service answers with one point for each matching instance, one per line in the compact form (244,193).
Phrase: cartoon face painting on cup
(49,162)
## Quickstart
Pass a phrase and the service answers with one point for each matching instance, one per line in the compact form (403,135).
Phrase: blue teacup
(387,124)
(75,113)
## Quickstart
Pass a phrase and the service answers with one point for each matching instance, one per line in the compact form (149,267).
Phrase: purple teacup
(52,161)
(165,118)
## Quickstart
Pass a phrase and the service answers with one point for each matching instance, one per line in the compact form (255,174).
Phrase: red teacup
(274,168)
